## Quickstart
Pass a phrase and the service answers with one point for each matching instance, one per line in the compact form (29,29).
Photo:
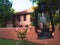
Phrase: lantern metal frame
(45,33)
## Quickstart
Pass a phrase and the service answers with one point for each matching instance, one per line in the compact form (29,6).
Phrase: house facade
(22,18)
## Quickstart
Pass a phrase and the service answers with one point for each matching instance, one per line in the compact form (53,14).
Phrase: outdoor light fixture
(44,26)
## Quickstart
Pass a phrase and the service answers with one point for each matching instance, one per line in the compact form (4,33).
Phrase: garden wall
(10,33)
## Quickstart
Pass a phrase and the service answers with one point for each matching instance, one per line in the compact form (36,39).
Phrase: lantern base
(44,35)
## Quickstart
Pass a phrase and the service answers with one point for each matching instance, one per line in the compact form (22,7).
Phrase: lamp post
(43,21)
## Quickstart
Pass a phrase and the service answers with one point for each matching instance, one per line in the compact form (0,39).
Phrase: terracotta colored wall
(27,22)
(10,33)
(22,22)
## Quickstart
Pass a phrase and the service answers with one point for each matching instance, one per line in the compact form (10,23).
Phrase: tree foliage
(57,19)
(53,4)
(5,11)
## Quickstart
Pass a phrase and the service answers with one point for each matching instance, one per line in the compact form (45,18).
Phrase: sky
(20,5)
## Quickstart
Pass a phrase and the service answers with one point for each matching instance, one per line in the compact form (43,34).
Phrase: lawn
(14,42)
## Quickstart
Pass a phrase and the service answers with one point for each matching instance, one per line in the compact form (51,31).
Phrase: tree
(6,12)
(53,4)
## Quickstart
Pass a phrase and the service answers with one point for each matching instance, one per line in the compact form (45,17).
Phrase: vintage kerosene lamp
(44,26)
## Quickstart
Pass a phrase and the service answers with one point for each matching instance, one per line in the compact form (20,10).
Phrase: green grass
(13,42)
